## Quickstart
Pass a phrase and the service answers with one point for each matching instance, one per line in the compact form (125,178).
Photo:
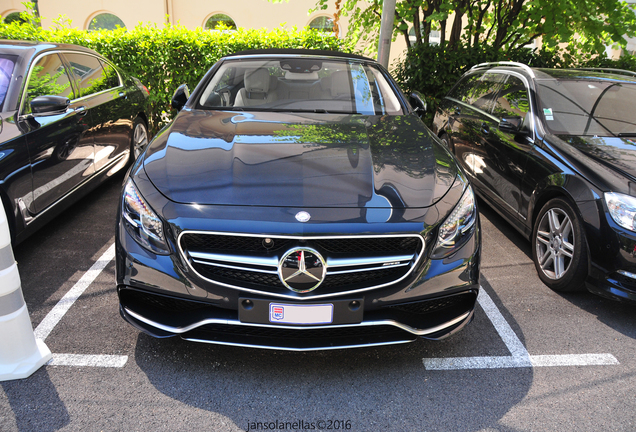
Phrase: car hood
(610,153)
(299,160)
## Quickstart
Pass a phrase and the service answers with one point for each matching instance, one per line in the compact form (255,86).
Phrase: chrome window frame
(71,79)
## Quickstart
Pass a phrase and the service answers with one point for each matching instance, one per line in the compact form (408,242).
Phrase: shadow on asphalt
(35,403)
(384,388)
(76,235)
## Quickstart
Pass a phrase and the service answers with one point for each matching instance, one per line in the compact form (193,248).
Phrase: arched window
(220,19)
(14,16)
(322,23)
(433,38)
(106,21)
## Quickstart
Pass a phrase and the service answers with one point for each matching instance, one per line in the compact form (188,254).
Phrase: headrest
(340,84)
(257,80)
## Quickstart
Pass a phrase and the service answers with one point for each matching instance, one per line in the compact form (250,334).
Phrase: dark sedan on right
(554,153)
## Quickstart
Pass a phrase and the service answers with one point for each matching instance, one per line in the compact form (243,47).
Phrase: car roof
(298,52)
(21,46)
(560,74)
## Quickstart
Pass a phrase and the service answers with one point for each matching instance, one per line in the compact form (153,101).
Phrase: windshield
(300,85)
(593,107)
(6,70)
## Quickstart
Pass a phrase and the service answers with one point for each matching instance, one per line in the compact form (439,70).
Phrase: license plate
(301,314)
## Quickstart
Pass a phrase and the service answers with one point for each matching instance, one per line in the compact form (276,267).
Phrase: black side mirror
(511,124)
(418,103)
(49,104)
(180,97)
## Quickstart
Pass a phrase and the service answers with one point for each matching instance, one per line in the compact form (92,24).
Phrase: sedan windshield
(593,107)
(300,85)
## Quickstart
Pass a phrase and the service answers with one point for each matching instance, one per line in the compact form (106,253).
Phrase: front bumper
(160,296)
(613,259)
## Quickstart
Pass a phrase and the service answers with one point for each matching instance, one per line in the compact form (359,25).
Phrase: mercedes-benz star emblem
(303,216)
(302,269)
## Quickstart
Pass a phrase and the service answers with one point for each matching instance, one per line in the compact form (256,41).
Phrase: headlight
(141,222)
(457,224)
(622,208)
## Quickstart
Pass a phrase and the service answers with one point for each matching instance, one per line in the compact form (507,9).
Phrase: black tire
(139,138)
(447,142)
(559,249)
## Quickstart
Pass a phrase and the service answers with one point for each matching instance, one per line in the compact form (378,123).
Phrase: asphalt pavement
(532,359)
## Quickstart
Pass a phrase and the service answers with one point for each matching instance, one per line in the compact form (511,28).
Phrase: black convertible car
(68,120)
(297,202)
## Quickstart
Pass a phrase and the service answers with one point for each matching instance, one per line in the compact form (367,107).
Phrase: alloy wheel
(555,243)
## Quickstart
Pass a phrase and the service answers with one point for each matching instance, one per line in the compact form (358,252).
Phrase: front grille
(352,263)
(229,276)
(230,244)
(345,279)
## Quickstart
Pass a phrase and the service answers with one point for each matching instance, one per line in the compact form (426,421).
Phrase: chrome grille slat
(254,269)
(353,263)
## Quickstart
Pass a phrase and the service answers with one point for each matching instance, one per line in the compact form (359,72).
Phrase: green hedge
(163,57)
(434,69)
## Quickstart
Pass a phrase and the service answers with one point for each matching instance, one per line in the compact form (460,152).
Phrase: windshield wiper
(626,134)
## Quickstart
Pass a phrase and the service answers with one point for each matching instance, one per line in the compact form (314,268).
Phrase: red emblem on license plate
(277,312)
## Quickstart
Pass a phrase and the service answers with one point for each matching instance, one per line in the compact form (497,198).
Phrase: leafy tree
(586,25)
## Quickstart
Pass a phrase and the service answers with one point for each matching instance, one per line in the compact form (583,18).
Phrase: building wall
(189,13)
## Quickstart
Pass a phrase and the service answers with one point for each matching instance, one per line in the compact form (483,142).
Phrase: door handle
(485,129)
(81,111)
(458,111)
(123,94)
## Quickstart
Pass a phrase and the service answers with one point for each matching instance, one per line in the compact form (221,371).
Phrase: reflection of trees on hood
(353,133)
(402,142)
(599,148)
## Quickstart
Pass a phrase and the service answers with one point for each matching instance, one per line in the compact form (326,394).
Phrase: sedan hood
(611,153)
(299,160)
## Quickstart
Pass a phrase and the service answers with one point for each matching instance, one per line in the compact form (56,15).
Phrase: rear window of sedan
(301,85)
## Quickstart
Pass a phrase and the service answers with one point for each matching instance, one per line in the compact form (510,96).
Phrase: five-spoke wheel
(559,247)
(140,138)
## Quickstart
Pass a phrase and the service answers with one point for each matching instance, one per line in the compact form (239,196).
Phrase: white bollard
(20,353)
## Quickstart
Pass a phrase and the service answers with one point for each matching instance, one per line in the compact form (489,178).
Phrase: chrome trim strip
(409,329)
(299,349)
(365,269)
(349,262)
(251,269)
(237,259)
(627,274)
(78,187)
(418,256)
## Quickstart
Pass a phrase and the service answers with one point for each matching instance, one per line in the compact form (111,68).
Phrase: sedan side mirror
(49,104)
(180,97)
(418,103)
(511,124)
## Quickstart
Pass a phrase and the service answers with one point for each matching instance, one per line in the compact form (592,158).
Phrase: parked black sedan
(68,120)
(297,202)
(554,152)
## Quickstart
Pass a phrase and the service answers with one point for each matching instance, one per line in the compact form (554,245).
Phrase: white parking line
(115,361)
(59,310)
(519,354)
